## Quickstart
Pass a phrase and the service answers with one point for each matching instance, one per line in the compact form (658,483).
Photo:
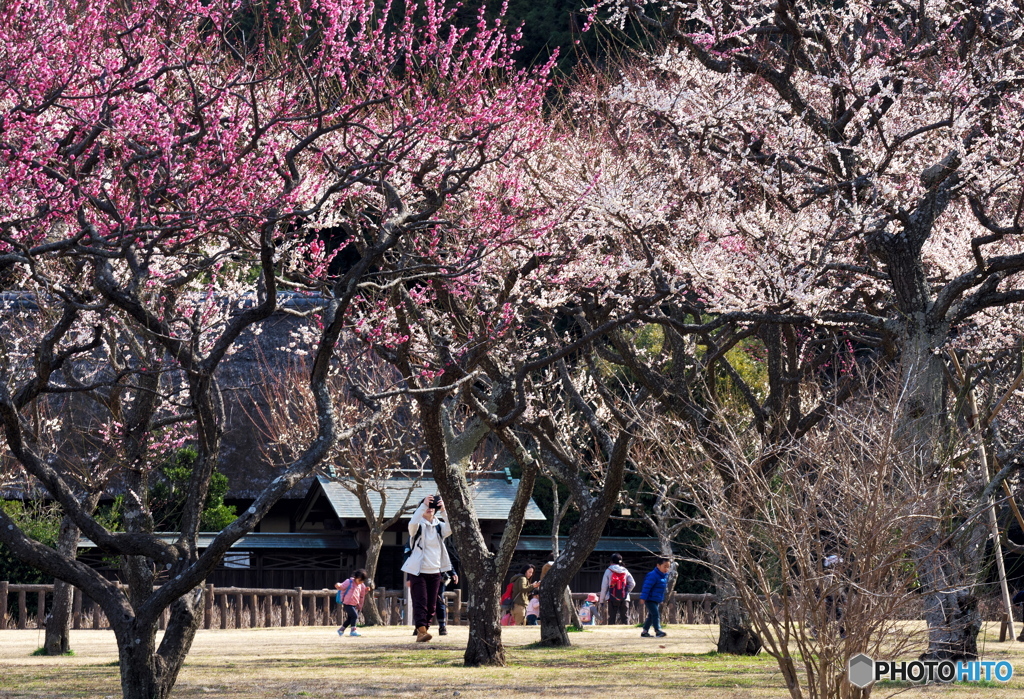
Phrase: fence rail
(226,607)
(678,608)
(251,607)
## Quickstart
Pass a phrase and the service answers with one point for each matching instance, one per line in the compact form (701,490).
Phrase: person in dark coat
(450,577)
(653,595)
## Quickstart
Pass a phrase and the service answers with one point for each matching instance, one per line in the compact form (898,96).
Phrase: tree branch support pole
(993,521)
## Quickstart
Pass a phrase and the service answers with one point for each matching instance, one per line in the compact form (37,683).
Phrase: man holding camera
(428,558)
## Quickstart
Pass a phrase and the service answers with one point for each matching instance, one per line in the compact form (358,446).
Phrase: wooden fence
(678,608)
(241,607)
(226,608)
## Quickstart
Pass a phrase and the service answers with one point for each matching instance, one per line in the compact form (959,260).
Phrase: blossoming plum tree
(838,176)
(161,163)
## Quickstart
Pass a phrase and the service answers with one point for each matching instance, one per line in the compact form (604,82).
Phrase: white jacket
(615,568)
(415,560)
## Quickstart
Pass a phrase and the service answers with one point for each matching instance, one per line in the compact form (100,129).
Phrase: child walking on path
(351,594)
(653,594)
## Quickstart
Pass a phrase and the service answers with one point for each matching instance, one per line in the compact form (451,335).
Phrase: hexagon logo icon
(861,670)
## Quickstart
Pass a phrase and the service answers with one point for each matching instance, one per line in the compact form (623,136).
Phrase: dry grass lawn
(315,662)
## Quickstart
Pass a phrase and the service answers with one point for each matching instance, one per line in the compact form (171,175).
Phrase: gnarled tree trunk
(148,672)
(371,615)
(581,541)
(949,567)
(482,570)
(735,632)
(556,603)
(58,623)
(484,612)
(950,604)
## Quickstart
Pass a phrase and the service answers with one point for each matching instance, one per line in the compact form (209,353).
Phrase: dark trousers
(616,608)
(351,616)
(424,597)
(653,617)
(442,608)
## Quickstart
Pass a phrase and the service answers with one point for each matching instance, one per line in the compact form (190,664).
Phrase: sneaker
(341,631)
(645,635)
(661,634)
(353,632)
(442,631)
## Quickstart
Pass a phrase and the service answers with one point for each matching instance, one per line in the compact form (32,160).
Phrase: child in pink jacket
(351,594)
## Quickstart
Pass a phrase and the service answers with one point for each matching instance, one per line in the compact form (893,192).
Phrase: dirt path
(385,662)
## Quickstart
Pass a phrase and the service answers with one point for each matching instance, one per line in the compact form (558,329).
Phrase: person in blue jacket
(653,594)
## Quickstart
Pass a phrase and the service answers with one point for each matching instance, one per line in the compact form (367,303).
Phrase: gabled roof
(267,540)
(492,497)
(606,544)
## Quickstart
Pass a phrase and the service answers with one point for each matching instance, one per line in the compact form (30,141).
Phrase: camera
(435,502)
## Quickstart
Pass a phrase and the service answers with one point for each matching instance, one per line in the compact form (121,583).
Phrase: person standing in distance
(521,589)
(428,529)
(447,577)
(615,588)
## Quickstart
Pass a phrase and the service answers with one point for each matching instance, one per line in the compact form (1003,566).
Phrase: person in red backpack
(615,588)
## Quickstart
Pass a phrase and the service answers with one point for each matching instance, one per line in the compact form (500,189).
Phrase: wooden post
(397,605)
(76,609)
(22,611)
(95,616)
(41,609)
(268,610)
(326,611)
(286,614)
(254,611)
(208,608)
(297,611)
(223,610)
(458,607)
(4,585)
(239,603)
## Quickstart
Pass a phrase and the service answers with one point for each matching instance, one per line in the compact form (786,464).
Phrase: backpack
(617,586)
(340,597)
(586,613)
(415,540)
(506,599)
